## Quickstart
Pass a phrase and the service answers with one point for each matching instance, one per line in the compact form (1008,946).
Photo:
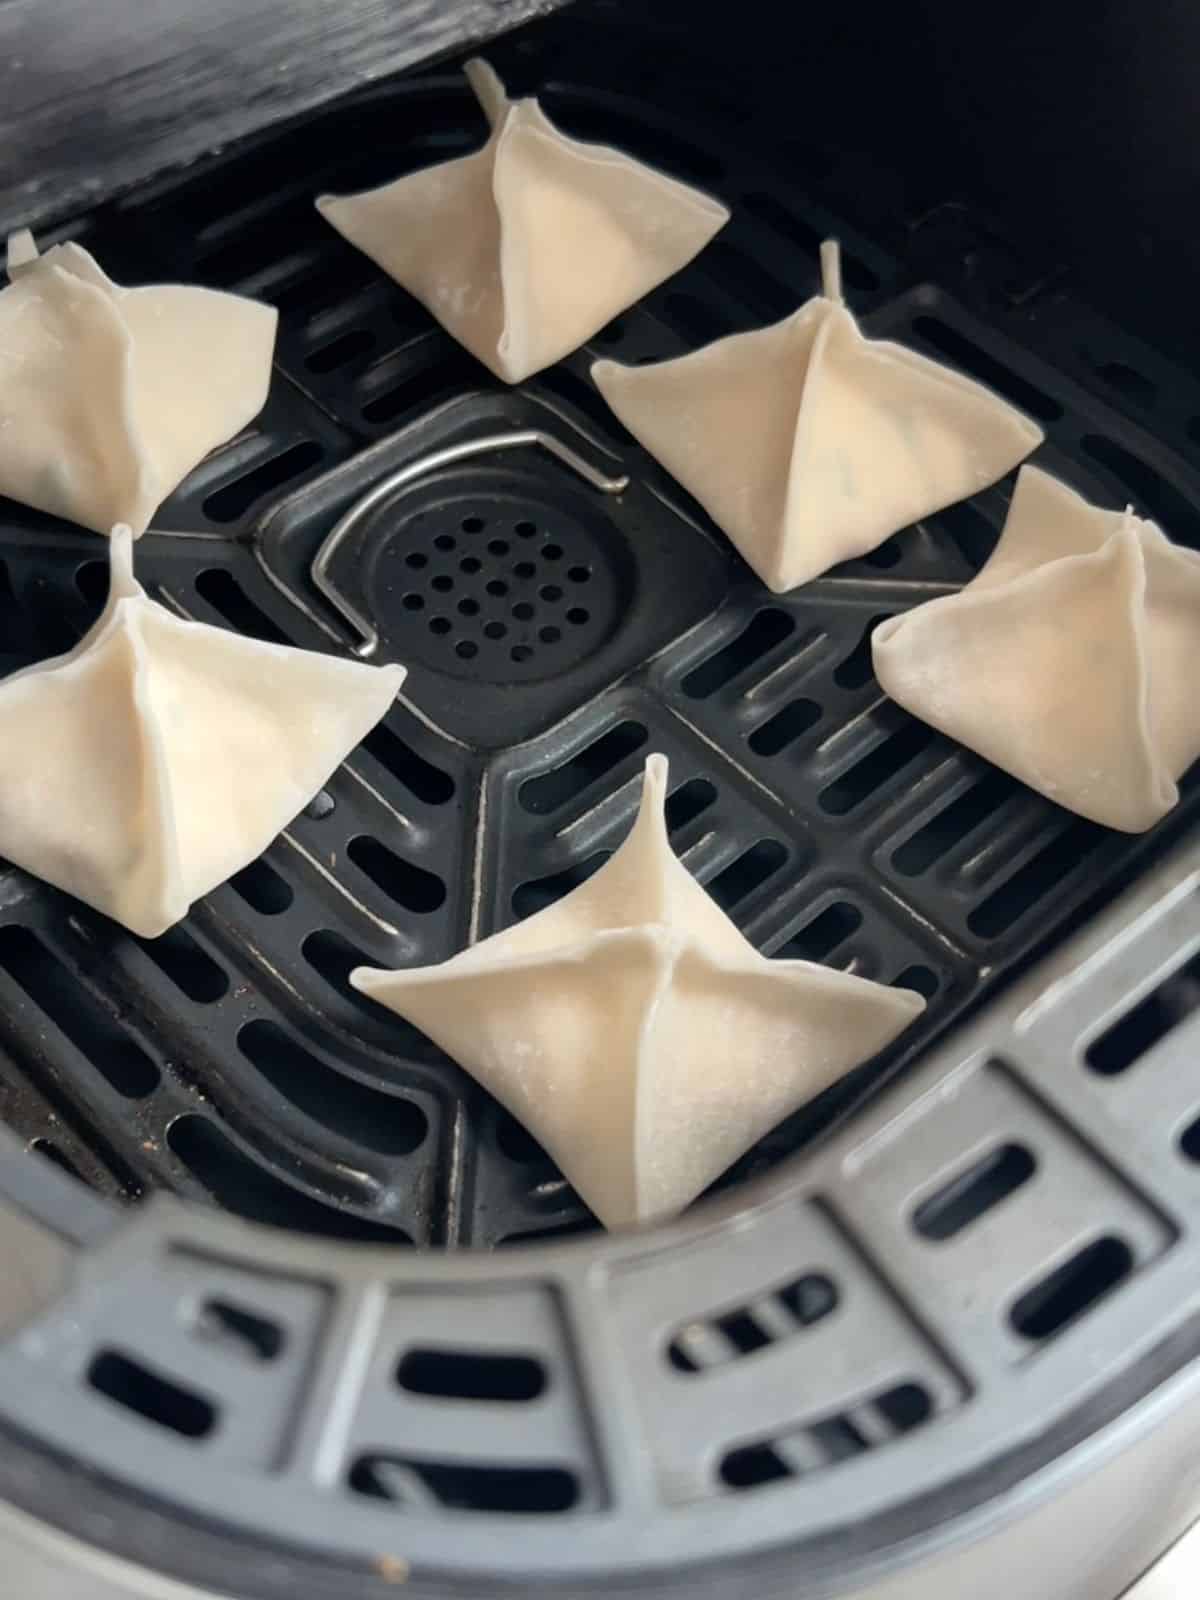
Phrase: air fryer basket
(958,1284)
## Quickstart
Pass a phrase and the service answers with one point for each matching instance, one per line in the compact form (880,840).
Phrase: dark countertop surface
(96,95)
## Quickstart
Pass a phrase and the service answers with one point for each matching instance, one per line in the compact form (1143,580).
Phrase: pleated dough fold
(637,1033)
(810,444)
(1067,660)
(160,756)
(110,396)
(525,249)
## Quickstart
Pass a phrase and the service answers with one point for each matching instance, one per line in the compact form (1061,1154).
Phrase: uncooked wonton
(810,444)
(160,756)
(110,396)
(525,249)
(1067,660)
(637,1033)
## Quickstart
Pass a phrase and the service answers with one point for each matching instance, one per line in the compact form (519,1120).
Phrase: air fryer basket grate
(556,632)
(884,1336)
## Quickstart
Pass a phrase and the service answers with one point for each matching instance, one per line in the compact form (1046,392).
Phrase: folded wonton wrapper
(110,396)
(635,1030)
(809,444)
(524,249)
(160,756)
(1068,659)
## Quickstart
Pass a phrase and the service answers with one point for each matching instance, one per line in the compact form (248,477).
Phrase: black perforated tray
(555,635)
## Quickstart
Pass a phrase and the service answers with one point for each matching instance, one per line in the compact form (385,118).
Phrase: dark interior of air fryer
(557,636)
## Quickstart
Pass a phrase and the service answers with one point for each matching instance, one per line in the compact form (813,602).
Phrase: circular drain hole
(500,607)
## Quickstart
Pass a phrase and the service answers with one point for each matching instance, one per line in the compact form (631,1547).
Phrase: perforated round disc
(490,584)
